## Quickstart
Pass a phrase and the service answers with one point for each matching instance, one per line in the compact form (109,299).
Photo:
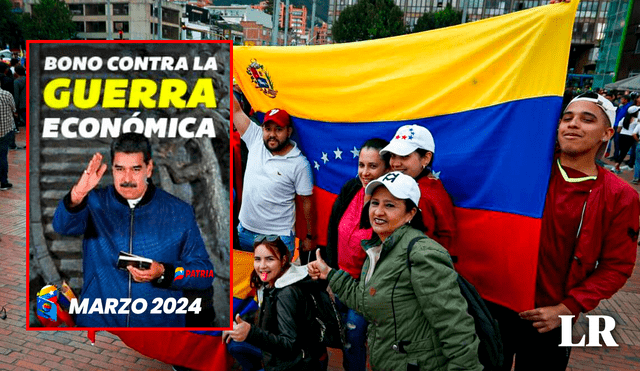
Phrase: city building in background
(297,17)
(256,25)
(199,23)
(127,20)
(618,56)
(320,34)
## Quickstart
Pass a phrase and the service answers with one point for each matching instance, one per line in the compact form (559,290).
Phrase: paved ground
(47,350)
(44,350)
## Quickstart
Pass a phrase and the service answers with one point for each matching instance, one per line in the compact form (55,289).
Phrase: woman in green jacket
(418,318)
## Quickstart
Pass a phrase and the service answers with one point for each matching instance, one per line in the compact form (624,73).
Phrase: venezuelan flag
(243,294)
(489,92)
(197,350)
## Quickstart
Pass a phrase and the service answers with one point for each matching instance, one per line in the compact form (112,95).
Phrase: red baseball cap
(278,116)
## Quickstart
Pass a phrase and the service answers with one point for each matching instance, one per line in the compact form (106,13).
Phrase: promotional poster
(129,230)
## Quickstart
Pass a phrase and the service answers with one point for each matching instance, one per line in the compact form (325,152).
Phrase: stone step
(73,151)
(71,266)
(71,246)
(67,181)
(53,194)
(49,233)
(57,168)
(47,214)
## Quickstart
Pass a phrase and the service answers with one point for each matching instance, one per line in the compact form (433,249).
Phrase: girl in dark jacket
(284,311)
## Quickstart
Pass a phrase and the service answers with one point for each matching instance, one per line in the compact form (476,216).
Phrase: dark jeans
(23,117)
(632,154)
(533,351)
(249,356)
(355,351)
(626,141)
(4,150)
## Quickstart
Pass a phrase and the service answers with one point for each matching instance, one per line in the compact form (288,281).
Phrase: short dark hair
(14,61)
(3,67)
(21,71)
(132,143)
(277,248)
(379,144)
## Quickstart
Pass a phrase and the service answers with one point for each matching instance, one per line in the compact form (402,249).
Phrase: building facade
(617,34)
(297,17)
(256,25)
(255,34)
(137,19)
(320,34)
(629,64)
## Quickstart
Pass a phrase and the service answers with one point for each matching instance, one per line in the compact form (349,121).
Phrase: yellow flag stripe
(516,56)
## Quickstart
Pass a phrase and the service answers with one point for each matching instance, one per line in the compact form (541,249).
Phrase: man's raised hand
(89,179)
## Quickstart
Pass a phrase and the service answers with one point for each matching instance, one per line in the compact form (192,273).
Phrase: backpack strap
(398,346)
(410,247)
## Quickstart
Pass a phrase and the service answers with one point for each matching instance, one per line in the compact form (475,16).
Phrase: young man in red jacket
(588,239)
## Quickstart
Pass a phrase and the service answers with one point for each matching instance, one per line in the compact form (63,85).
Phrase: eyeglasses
(268,238)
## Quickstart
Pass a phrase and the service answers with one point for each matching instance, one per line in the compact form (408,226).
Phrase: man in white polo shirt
(276,172)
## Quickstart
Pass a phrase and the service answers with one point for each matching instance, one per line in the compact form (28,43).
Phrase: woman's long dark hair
(277,248)
(627,119)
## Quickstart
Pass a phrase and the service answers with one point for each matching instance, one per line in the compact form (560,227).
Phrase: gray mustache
(128,185)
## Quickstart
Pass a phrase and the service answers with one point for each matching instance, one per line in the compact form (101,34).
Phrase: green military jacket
(423,307)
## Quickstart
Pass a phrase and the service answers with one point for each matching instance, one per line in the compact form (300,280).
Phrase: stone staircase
(62,162)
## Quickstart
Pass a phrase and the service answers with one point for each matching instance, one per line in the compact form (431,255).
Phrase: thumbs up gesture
(318,268)
(240,331)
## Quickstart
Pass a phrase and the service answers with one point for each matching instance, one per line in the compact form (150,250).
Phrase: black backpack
(490,350)
(328,322)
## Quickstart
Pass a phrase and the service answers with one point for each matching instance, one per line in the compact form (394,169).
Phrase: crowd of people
(13,112)
(399,318)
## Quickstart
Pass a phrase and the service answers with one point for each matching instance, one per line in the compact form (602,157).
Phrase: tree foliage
(443,18)
(10,32)
(48,20)
(369,19)
(269,8)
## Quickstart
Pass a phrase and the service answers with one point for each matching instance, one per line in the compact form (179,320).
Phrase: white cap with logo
(400,185)
(409,138)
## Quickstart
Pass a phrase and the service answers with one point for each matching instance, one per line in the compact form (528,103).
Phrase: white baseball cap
(400,185)
(409,138)
(605,105)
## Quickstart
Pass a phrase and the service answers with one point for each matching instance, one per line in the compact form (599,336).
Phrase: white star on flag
(355,151)
(338,153)
(324,157)
(316,165)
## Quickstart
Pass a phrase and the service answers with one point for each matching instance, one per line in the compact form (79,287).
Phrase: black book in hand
(136,261)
